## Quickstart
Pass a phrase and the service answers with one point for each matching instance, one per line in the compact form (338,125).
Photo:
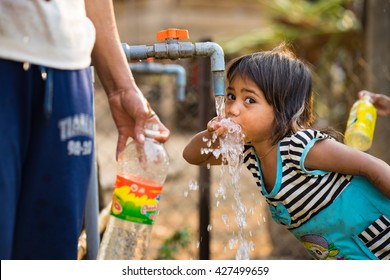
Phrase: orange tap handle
(172,33)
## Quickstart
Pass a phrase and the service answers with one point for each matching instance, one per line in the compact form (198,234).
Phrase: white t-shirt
(54,33)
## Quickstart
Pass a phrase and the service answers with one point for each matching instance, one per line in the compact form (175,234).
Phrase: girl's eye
(230,96)
(249,100)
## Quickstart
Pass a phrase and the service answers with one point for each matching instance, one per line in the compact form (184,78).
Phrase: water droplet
(221,192)
(209,227)
(193,186)
(225,219)
(217,153)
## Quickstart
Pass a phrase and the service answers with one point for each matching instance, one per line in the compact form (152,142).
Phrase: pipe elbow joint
(214,51)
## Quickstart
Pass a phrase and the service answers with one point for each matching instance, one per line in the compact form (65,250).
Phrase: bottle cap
(366,98)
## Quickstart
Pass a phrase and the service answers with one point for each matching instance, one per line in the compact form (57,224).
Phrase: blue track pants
(46,145)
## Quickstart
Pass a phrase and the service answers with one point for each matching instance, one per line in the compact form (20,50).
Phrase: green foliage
(288,20)
(171,246)
(321,15)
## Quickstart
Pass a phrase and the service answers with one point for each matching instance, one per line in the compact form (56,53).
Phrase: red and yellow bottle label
(136,199)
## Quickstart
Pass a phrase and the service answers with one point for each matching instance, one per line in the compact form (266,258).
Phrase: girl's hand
(217,128)
(206,139)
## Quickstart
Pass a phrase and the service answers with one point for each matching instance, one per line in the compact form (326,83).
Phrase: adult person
(46,109)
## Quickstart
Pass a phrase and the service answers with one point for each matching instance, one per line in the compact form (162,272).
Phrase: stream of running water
(231,153)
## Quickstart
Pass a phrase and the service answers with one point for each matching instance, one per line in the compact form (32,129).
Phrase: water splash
(231,153)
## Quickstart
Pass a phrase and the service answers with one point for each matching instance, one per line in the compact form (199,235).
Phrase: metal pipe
(215,52)
(204,86)
(158,68)
(173,49)
(92,202)
(91,214)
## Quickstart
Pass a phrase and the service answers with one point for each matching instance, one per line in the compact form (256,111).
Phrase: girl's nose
(232,110)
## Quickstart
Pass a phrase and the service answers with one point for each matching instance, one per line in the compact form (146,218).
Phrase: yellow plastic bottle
(361,124)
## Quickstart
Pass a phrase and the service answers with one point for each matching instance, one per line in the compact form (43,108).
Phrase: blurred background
(347,44)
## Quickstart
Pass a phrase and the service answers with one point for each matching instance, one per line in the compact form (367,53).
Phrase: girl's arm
(330,155)
(192,152)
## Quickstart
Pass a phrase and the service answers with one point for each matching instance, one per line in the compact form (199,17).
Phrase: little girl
(333,198)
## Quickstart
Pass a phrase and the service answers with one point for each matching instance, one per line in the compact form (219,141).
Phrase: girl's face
(246,105)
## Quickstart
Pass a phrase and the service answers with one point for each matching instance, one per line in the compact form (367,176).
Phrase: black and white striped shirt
(298,193)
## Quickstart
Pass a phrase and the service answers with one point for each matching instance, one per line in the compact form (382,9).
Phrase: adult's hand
(129,107)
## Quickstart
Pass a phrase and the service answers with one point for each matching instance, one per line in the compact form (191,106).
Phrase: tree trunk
(378,67)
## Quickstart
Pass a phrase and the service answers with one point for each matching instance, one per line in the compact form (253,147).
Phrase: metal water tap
(174,49)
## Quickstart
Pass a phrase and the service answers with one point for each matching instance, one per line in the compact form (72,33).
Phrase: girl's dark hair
(286,83)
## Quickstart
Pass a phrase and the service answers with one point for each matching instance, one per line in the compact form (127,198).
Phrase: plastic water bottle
(361,124)
(141,171)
